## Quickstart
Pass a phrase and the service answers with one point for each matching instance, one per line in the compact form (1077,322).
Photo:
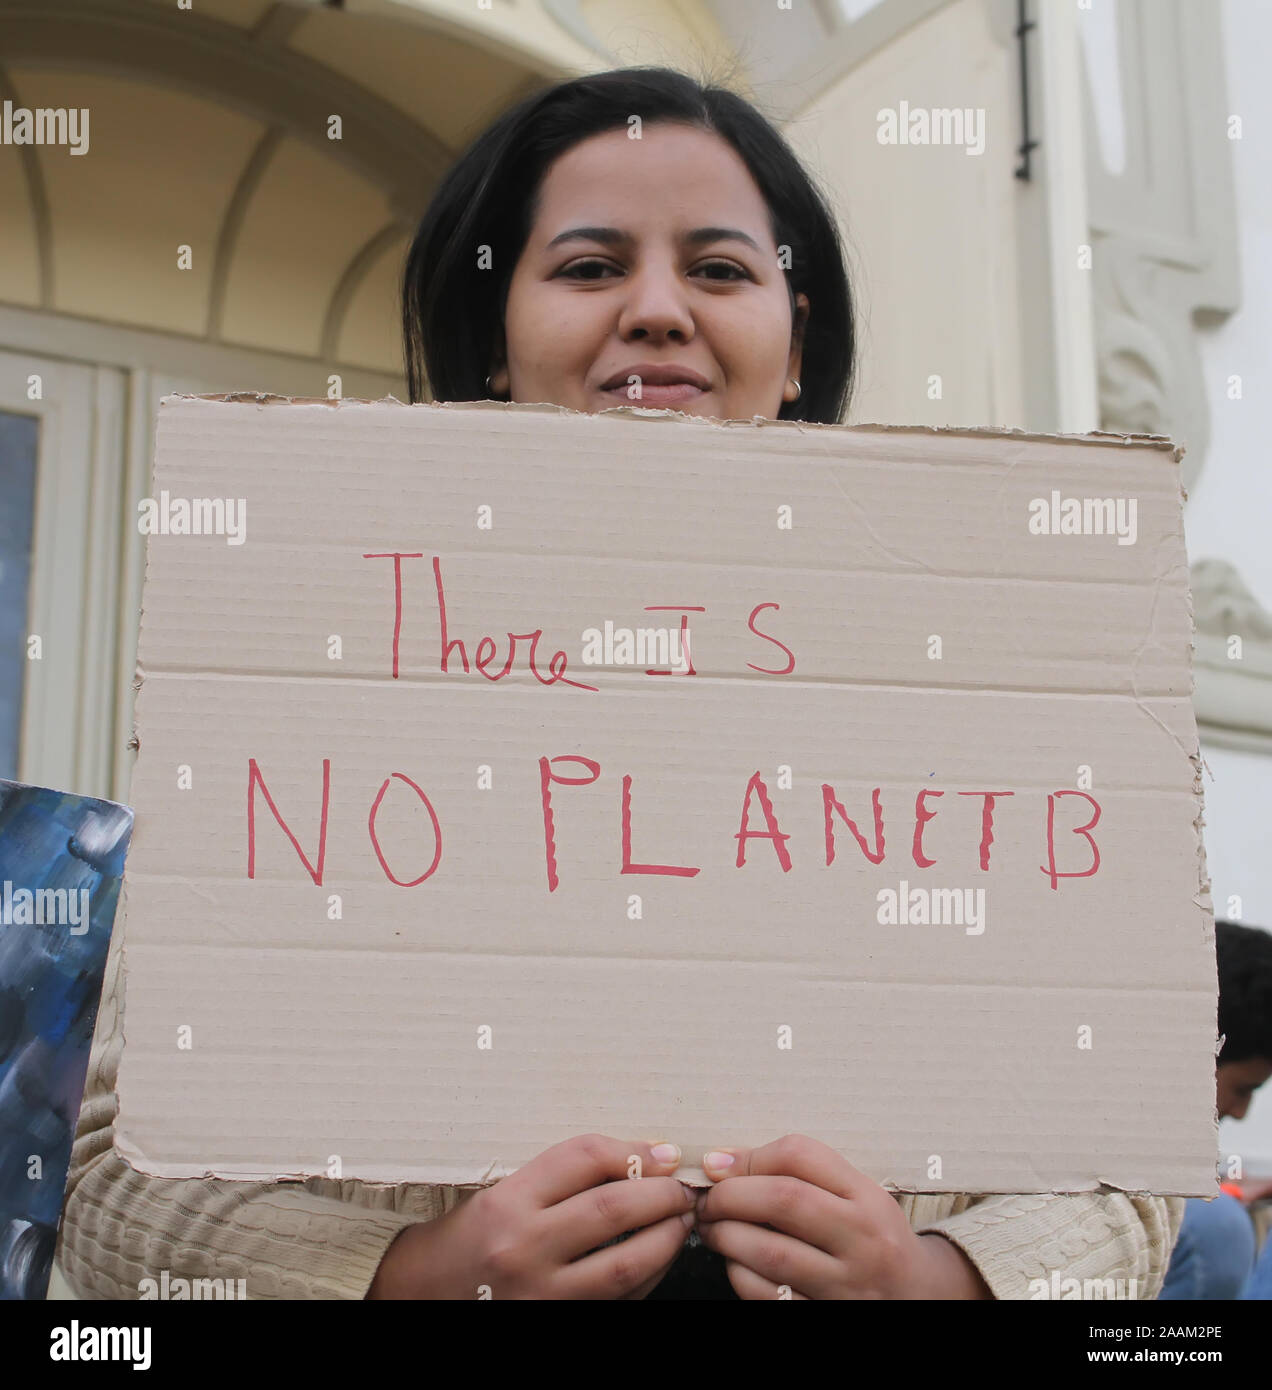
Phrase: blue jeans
(1214,1254)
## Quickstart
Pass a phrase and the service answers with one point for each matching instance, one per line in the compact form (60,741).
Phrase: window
(19,441)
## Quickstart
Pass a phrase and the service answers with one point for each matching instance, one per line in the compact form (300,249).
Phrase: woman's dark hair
(1244,956)
(453,309)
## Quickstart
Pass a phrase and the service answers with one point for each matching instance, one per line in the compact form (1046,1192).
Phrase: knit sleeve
(1014,1240)
(321,1238)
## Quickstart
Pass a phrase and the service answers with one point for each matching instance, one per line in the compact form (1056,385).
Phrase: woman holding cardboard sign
(630,237)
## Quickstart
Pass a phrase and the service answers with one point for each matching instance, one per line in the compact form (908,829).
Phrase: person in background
(1214,1255)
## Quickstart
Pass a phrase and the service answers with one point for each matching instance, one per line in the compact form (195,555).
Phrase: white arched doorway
(250,175)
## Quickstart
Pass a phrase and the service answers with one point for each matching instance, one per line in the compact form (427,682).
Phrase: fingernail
(718,1160)
(687,1218)
(665,1153)
(691,1194)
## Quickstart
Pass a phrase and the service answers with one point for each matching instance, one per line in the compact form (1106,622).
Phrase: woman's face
(651,258)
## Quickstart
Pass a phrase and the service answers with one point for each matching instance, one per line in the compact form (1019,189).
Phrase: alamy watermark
(938,907)
(45,907)
(1085,516)
(166,515)
(1060,1287)
(642,646)
(76,1343)
(921,125)
(45,125)
(207,1290)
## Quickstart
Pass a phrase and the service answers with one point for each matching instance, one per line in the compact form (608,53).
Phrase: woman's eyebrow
(613,236)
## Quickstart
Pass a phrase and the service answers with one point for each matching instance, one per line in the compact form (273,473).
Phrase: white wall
(1230,511)
(1229,514)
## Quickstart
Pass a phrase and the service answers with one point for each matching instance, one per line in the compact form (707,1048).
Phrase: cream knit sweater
(324,1238)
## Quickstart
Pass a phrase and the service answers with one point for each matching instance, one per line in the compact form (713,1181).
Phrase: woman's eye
(596,270)
(575,267)
(732,272)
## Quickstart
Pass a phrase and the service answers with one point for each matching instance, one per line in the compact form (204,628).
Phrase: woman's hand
(794,1219)
(529,1236)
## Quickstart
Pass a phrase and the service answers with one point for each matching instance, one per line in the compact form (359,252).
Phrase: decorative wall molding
(236,211)
(250,72)
(1223,605)
(37,194)
(1163,231)
(1165,248)
(1233,659)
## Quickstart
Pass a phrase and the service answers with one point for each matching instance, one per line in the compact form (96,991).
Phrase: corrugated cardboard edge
(262,398)
(691,1176)
(120,1143)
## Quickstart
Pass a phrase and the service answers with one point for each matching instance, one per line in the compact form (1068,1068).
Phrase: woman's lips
(652,393)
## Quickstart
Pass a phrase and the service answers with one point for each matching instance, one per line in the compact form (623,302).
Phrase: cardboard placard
(900,848)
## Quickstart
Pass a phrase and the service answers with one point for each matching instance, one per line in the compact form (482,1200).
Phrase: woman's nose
(655,306)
